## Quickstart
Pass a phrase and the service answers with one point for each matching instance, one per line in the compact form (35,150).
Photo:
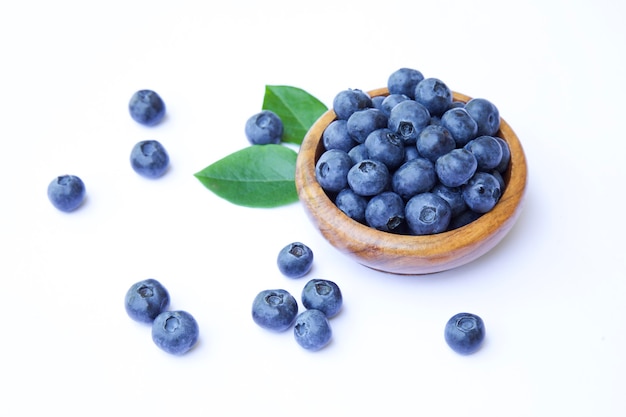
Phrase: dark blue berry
(295,260)
(146,107)
(427,213)
(348,101)
(414,177)
(487,150)
(460,125)
(506,155)
(331,170)
(456,167)
(66,192)
(465,333)
(358,153)
(407,119)
(385,146)
(175,332)
(404,81)
(434,94)
(274,309)
(453,196)
(434,141)
(482,192)
(145,300)
(363,122)
(312,330)
(352,204)
(322,295)
(263,128)
(391,101)
(149,159)
(368,177)
(336,136)
(463,219)
(486,115)
(385,212)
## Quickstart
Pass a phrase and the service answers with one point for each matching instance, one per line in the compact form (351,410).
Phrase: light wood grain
(401,254)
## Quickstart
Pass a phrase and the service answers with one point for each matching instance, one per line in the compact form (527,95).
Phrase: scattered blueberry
(295,260)
(146,299)
(464,333)
(427,213)
(146,107)
(274,309)
(175,332)
(149,159)
(264,128)
(322,295)
(66,192)
(312,330)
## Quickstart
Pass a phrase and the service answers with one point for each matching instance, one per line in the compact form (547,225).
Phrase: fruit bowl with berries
(412,178)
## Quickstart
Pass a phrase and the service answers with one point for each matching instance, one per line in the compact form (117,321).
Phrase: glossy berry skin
(404,81)
(435,95)
(146,107)
(464,333)
(331,170)
(456,167)
(487,150)
(323,295)
(385,211)
(486,115)
(348,101)
(482,192)
(427,213)
(369,177)
(149,159)
(414,177)
(145,300)
(274,310)
(312,330)
(407,119)
(175,332)
(264,128)
(336,136)
(363,122)
(434,141)
(295,260)
(66,192)
(352,204)
(460,125)
(385,146)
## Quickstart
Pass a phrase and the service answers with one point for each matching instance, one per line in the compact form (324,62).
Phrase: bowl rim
(430,253)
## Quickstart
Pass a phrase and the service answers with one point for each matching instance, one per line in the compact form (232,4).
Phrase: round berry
(404,81)
(175,332)
(149,159)
(369,177)
(312,330)
(336,136)
(66,192)
(385,211)
(456,167)
(385,146)
(464,333)
(487,150)
(460,125)
(331,170)
(414,177)
(435,95)
(434,141)
(349,101)
(407,119)
(146,299)
(486,115)
(264,128)
(482,192)
(146,107)
(323,295)
(427,213)
(352,204)
(363,122)
(274,309)
(295,260)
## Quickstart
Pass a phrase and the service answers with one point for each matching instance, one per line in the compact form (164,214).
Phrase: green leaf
(256,176)
(297,109)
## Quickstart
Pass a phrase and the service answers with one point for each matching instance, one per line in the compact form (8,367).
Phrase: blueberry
(322,295)
(463,219)
(391,101)
(363,122)
(336,136)
(175,332)
(295,260)
(263,128)
(66,192)
(404,81)
(348,101)
(369,177)
(434,141)
(506,155)
(385,146)
(312,330)
(146,299)
(331,170)
(377,102)
(482,192)
(487,150)
(358,153)
(274,309)
(385,211)
(465,333)
(352,204)
(410,152)
(407,119)
(146,107)
(456,167)
(486,115)
(454,197)
(434,94)
(460,125)
(149,159)
(414,177)
(427,213)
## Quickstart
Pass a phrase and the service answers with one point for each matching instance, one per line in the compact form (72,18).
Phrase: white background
(552,293)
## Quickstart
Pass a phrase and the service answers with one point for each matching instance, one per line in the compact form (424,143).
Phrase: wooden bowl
(403,254)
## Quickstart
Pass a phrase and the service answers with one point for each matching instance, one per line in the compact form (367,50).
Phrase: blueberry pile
(277,310)
(175,332)
(148,158)
(415,161)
